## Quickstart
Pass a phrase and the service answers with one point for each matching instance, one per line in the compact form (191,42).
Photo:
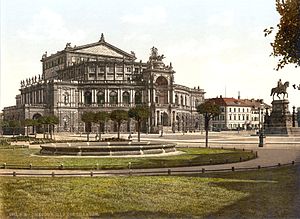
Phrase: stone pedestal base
(280,120)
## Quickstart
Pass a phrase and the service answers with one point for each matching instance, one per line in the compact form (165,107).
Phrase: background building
(239,114)
(100,76)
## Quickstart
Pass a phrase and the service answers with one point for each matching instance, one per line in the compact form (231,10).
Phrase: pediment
(103,49)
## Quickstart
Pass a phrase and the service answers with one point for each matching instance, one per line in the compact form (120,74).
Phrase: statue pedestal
(280,120)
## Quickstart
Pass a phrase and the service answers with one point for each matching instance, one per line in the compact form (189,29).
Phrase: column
(42,95)
(96,70)
(106,93)
(36,96)
(93,96)
(79,97)
(121,96)
(105,71)
(149,97)
(115,72)
(82,96)
(123,69)
(133,97)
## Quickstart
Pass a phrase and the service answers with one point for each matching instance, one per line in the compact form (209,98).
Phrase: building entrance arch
(162,90)
(165,119)
(37,128)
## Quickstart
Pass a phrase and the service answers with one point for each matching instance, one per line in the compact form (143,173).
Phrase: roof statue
(132,53)
(68,46)
(154,55)
(44,55)
(155,60)
(102,38)
(280,89)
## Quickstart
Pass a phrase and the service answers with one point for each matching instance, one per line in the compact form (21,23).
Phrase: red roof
(230,101)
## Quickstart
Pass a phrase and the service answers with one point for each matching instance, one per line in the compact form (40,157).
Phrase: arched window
(162,89)
(138,97)
(66,98)
(87,97)
(100,97)
(66,120)
(126,97)
(176,99)
(181,100)
(113,97)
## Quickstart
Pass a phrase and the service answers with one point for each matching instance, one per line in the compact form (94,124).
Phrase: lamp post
(162,126)
(261,135)
(293,117)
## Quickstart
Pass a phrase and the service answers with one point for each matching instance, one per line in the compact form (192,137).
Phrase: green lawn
(255,194)
(192,156)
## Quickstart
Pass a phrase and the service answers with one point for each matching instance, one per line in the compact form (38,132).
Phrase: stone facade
(100,76)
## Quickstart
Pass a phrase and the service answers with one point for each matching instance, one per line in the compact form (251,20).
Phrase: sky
(218,45)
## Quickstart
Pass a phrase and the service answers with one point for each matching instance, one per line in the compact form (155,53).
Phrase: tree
(119,116)
(209,110)
(88,118)
(100,118)
(27,123)
(3,124)
(139,113)
(286,44)
(14,124)
(52,121)
(43,120)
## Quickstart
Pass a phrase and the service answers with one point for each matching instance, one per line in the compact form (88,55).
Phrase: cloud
(48,25)
(149,16)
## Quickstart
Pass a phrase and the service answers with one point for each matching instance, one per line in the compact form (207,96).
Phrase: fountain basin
(107,148)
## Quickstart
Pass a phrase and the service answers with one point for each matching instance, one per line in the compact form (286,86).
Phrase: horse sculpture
(280,90)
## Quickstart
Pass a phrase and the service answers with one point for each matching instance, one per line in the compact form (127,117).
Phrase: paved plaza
(276,150)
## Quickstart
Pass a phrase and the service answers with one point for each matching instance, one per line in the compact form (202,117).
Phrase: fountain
(107,148)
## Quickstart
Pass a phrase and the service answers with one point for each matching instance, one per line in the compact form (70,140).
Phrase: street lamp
(293,117)
(162,126)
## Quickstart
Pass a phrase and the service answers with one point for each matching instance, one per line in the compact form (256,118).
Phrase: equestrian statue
(280,89)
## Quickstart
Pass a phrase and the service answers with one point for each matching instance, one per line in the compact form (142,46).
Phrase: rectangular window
(119,69)
(101,69)
(92,70)
(128,69)
(111,69)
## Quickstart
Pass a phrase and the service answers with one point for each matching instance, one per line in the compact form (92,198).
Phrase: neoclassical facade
(100,76)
